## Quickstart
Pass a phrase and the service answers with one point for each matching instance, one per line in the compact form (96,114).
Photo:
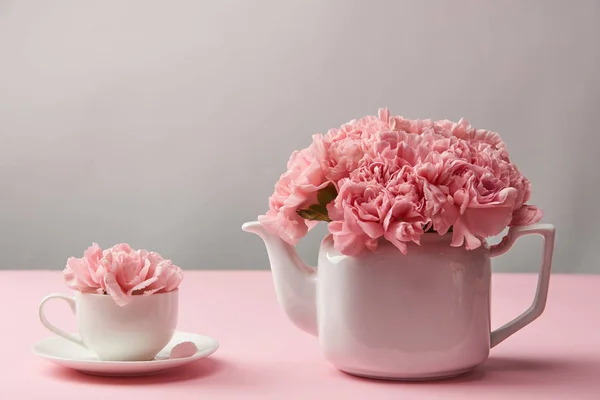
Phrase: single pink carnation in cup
(121,272)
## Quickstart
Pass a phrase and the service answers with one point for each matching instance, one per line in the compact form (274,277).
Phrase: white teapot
(382,314)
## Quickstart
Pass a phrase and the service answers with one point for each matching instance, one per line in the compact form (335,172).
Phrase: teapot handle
(539,302)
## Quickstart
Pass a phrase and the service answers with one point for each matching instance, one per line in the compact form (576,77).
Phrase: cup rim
(77,292)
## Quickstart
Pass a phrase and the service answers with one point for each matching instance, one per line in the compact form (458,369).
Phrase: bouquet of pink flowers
(389,178)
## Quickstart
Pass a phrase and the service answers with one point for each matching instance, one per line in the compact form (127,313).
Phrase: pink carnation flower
(405,222)
(341,149)
(121,272)
(295,189)
(357,215)
(387,168)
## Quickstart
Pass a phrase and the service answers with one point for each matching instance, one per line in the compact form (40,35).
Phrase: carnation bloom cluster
(121,272)
(389,178)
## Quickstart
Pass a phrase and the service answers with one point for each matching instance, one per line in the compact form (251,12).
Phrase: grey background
(166,124)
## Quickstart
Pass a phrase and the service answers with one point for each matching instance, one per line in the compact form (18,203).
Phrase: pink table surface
(263,356)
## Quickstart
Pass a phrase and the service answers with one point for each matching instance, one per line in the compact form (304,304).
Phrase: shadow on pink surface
(513,371)
(500,373)
(201,369)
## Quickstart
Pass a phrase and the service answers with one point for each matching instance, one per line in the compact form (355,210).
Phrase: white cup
(135,332)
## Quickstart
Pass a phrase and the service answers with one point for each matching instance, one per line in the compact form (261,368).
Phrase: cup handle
(541,295)
(50,326)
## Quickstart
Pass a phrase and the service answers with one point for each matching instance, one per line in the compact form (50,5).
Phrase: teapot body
(388,315)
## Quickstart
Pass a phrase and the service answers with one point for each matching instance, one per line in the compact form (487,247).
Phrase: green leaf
(431,230)
(306,214)
(316,212)
(327,194)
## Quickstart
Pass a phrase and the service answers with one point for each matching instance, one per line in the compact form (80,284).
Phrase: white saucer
(68,354)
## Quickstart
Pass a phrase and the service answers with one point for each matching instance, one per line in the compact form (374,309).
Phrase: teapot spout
(295,282)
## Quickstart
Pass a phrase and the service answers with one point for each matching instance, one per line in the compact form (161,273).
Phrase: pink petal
(171,276)
(139,278)
(114,290)
(77,274)
(445,218)
(142,285)
(373,230)
(372,244)
(384,114)
(347,243)
(391,237)
(486,222)
(461,233)
(526,215)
